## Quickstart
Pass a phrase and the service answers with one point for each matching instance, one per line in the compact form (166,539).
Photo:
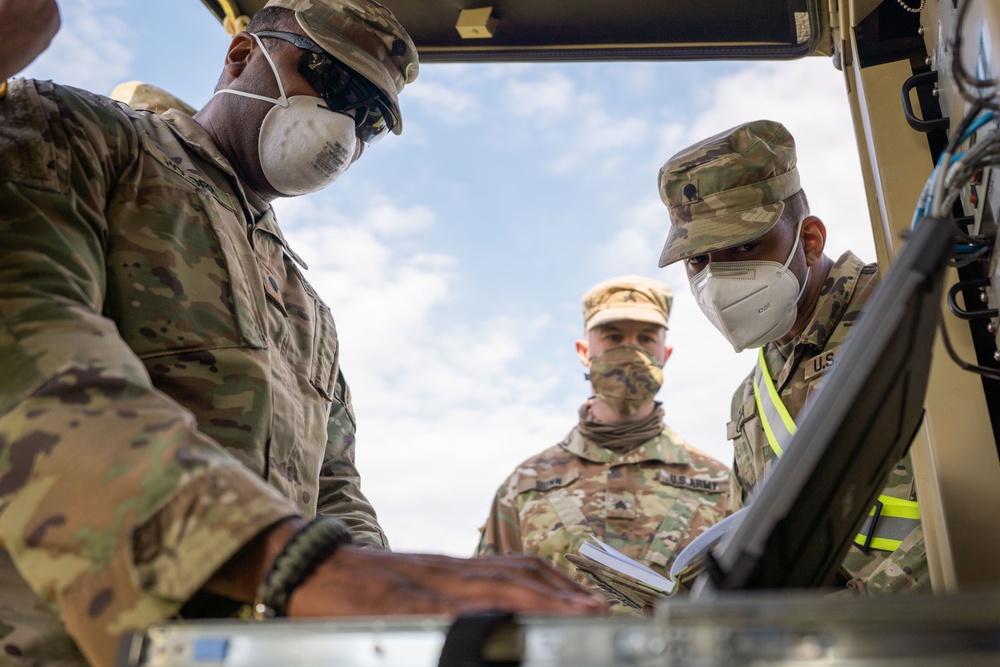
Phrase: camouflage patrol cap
(147,97)
(363,35)
(727,189)
(634,298)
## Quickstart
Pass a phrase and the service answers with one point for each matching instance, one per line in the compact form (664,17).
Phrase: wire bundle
(957,168)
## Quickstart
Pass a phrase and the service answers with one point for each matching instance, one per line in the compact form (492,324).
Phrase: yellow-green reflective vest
(888,522)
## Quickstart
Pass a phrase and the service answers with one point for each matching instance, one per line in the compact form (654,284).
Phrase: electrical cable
(965,313)
(955,169)
(990,373)
(980,92)
(968,259)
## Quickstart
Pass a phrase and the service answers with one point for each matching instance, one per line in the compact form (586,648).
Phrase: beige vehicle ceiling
(465,31)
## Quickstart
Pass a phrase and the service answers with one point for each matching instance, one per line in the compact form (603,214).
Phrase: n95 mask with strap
(750,303)
(303,145)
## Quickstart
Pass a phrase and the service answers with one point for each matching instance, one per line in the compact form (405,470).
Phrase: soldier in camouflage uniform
(172,409)
(620,474)
(735,197)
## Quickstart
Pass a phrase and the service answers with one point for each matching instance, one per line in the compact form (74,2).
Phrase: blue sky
(454,256)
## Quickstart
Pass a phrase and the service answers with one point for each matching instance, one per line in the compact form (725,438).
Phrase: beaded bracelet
(314,542)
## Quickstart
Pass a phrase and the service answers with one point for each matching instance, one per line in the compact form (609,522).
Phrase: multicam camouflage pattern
(626,377)
(727,189)
(635,298)
(365,36)
(147,97)
(648,502)
(169,383)
(843,296)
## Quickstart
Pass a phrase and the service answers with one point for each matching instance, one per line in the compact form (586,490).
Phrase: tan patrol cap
(143,96)
(727,189)
(635,298)
(363,35)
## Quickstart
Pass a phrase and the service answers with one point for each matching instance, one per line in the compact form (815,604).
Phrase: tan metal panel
(955,455)
(583,30)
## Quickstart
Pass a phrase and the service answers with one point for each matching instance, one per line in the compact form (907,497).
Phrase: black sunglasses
(342,88)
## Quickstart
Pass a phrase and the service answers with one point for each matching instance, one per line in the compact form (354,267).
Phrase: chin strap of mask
(888,522)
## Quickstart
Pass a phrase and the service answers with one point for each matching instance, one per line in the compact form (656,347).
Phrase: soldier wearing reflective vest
(754,257)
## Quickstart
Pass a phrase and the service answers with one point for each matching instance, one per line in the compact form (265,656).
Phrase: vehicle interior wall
(955,453)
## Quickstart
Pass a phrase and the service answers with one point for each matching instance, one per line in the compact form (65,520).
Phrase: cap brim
(706,235)
(631,314)
(366,67)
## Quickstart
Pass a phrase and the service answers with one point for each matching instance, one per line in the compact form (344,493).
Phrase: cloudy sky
(454,256)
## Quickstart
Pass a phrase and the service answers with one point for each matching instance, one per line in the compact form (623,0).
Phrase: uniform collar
(200,141)
(834,298)
(667,447)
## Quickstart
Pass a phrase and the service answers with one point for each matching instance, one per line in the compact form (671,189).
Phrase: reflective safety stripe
(892,518)
(778,424)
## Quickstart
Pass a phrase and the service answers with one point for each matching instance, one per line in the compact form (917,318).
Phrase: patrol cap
(143,96)
(630,297)
(727,189)
(363,35)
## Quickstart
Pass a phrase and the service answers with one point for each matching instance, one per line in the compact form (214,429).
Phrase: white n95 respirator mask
(303,145)
(750,303)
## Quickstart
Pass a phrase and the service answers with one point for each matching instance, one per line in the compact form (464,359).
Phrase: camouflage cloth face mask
(626,377)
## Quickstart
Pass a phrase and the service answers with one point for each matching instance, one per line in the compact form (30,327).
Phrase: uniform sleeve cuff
(201,527)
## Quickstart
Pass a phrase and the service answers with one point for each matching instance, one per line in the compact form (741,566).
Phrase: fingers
(535,574)
(526,582)
(537,568)
(359,583)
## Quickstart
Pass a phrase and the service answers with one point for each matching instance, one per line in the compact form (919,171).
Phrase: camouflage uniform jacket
(169,383)
(844,294)
(648,502)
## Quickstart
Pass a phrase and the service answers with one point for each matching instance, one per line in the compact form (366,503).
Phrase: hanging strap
(233,22)
(889,521)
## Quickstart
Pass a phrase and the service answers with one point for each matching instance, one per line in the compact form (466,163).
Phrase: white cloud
(434,487)
(448,103)
(445,410)
(599,141)
(368,281)
(93,48)
(584,131)
(547,99)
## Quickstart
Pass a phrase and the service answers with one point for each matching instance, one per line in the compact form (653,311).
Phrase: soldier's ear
(583,352)
(667,351)
(238,55)
(813,239)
